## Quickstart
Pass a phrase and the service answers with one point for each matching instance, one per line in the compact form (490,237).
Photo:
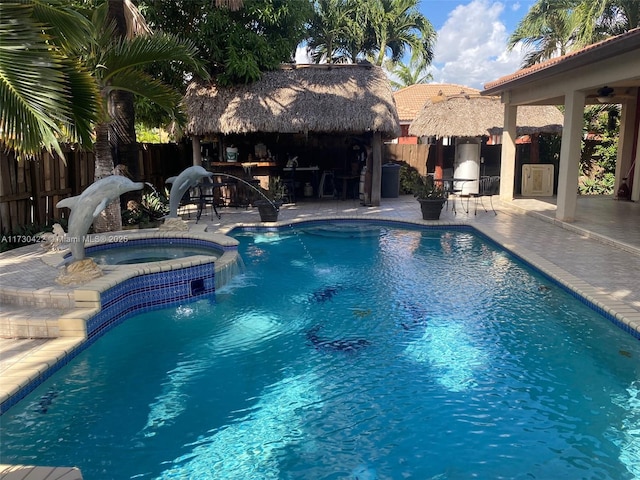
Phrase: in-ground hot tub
(151,250)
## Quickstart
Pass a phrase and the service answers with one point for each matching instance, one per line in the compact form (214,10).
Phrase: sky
(471,48)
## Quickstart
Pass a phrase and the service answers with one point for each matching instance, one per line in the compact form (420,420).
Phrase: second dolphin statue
(188,178)
(88,205)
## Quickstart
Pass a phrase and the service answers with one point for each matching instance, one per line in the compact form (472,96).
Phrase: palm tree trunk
(121,109)
(110,219)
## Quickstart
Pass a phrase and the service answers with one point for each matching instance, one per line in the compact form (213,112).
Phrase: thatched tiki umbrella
(479,116)
(325,99)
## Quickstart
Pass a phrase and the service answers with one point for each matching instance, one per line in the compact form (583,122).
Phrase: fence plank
(414,155)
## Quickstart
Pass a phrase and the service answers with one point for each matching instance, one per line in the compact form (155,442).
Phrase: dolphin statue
(88,205)
(188,178)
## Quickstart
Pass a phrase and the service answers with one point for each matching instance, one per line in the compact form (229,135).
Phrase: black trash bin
(390,180)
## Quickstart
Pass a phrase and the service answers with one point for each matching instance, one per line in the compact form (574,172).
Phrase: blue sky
(471,48)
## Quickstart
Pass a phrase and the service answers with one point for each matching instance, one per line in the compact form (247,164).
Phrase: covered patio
(607,72)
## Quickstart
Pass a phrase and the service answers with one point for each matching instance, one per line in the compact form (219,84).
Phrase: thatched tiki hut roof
(476,116)
(351,99)
(297,98)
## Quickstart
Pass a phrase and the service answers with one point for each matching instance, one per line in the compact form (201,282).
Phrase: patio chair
(190,197)
(207,196)
(488,187)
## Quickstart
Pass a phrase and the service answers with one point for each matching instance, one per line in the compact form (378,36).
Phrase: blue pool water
(343,352)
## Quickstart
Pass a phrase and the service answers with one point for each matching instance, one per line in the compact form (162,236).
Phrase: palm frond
(139,83)
(66,25)
(145,50)
(33,84)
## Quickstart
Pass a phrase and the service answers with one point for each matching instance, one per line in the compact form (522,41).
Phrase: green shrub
(409,177)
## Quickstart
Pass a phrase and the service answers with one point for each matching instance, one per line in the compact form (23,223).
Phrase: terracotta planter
(268,213)
(431,207)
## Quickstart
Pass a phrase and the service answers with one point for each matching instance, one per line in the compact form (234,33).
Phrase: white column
(635,189)
(624,160)
(508,155)
(570,156)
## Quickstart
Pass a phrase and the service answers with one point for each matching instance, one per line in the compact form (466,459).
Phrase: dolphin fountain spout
(88,205)
(188,178)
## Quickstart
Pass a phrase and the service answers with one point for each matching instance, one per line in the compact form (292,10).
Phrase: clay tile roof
(411,99)
(613,45)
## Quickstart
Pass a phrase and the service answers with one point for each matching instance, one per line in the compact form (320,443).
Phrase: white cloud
(302,55)
(471,48)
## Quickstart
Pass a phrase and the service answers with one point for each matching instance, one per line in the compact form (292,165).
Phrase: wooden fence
(30,189)
(412,154)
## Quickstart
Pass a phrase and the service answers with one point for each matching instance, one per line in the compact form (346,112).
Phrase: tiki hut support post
(438,173)
(508,155)
(376,171)
(197,154)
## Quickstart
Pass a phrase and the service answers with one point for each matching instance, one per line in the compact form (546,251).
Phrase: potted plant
(271,201)
(431,197)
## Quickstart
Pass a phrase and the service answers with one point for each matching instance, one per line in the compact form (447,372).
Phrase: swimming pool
(349,351)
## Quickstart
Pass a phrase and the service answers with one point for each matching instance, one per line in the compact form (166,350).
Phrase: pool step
(18,321)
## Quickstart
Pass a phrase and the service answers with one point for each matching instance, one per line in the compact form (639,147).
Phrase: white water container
(467,167)
(308,190)
(232,154)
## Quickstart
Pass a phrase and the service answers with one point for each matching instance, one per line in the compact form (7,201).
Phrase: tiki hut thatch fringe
(476,116)
(297,98)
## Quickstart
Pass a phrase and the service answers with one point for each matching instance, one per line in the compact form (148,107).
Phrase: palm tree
(46,95)
(406,75)
(549,28)
(116,63)
(359,39)
(128,23)
(556,27)
(598,19)
(328,29)
(398,25)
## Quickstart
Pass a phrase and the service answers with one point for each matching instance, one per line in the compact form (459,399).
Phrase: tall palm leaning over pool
(116,63)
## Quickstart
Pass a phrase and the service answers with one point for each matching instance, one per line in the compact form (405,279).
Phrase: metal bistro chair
(189,198)
(488,187)
(207,196)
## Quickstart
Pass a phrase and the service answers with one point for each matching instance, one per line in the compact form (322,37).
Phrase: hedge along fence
(30,189)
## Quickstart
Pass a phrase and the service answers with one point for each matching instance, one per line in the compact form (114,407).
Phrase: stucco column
(570,156)
(197,154)
(626,147)
(635,185)
(508,155)
(376,170)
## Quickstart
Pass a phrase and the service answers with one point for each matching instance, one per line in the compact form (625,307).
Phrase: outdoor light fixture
(605,94)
